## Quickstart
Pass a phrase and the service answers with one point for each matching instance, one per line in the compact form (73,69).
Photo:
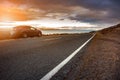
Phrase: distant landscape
(5,32)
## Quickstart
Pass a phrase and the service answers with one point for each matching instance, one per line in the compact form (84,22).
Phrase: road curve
(32,58)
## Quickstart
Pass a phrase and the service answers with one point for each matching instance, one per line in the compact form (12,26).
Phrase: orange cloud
(12,14)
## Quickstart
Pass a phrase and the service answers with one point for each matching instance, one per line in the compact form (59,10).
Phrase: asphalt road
(32,58)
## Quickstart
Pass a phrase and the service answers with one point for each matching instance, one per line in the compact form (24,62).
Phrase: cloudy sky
(61,12)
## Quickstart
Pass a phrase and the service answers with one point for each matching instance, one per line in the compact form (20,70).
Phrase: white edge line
(50,74)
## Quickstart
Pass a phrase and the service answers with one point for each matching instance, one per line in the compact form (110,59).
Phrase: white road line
(50,74)
(12,40)
(51,39)
(28,39)
(7,40)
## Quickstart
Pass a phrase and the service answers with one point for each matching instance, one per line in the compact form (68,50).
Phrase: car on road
(25,31)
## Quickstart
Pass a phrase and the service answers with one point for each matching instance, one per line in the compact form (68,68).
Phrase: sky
(59,13)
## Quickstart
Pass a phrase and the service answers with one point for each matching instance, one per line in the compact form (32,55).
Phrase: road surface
(32,58)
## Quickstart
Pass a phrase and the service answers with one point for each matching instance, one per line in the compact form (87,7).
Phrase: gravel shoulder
(100,60)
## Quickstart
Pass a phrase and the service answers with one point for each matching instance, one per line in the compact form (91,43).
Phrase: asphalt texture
(98,60)
(32,58)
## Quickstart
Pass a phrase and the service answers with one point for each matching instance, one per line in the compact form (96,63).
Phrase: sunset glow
(66,13)
(12,14)
(50,23)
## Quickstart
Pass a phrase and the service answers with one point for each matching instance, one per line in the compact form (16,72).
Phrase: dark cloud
(112,7)
(92,11)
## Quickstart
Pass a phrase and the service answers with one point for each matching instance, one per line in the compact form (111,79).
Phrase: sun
(12,14)
(6,17)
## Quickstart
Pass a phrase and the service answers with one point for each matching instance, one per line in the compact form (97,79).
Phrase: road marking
(13,39)
(7,40)
(51,39)
(28,39)
(50,74)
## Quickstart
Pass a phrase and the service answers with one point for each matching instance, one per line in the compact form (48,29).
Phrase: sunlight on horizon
(47,23)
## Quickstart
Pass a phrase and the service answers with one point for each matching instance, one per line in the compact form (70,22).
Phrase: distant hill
(115,29)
